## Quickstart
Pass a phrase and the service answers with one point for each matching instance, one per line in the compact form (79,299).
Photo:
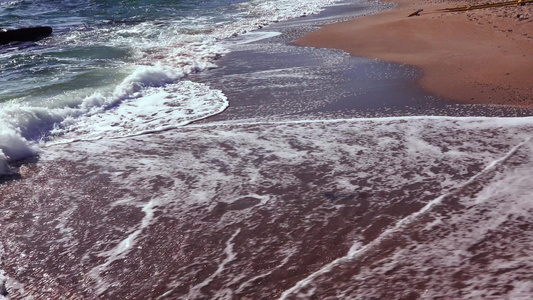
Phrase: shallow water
(316,179)
(103,56)
(358,208)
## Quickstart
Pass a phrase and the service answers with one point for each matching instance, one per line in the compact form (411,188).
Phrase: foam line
(251,37)
(230,256)
(509,121)
(147,132)
(355,251)
(263,275)
(120,251)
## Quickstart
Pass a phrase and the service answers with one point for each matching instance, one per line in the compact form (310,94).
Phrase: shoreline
(325,204)
(478,57)
(349,86)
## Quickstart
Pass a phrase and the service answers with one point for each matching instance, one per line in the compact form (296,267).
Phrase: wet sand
(273,78)
(478,56)
(400,208)
(262,203)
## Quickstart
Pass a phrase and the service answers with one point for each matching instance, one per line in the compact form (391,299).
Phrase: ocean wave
(148,99)
(160,54)
(13,146)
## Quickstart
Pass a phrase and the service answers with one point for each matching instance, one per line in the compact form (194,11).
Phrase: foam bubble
(14,144)
(146,100)
(168,52)
(152,109)
(324,184)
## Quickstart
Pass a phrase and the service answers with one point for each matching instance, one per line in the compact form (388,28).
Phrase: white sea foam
(4,167)
(168,52)
(195,291)
(155,109)
(289,253)
(10,3)
(306,285)
(250,37)
(483,242)
(3,279)
(144,101)
(191,43)
(14,141)
(122,248)
(290,167)
(275,11)
(10,284)
(416,141)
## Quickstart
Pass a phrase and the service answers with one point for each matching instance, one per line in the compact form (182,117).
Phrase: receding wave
(142,88)
(148,99)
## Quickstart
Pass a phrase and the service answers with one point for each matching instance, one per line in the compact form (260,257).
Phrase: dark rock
(10,177)
(24,34)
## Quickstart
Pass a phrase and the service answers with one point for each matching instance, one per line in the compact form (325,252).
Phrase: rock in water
(24,34)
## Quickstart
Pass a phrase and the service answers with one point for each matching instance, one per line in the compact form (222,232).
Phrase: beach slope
(476,56)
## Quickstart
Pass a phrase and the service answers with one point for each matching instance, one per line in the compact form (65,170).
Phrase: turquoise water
(91,37)
(107,61)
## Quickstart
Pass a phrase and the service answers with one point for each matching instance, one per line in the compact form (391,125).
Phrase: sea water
(126,202)
(353,209)
(117,68)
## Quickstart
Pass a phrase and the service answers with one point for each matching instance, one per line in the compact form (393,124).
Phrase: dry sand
(477,56)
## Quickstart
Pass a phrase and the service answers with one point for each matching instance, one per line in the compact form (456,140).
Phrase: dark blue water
(66,15)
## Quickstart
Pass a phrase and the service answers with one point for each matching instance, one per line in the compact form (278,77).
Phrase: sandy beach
(477,56)
(327,176)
